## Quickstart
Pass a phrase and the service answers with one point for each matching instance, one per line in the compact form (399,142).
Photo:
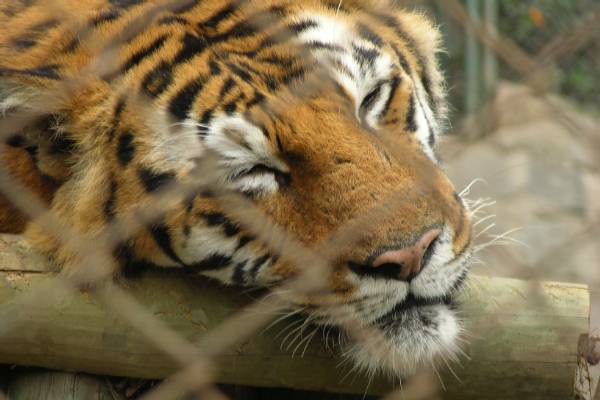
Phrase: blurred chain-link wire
(548,49)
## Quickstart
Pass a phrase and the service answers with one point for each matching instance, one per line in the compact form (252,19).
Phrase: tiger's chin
(406,340)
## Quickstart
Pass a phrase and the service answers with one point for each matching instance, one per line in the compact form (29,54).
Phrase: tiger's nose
(409,260)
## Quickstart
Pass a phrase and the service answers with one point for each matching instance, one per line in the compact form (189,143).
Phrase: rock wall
(541,164)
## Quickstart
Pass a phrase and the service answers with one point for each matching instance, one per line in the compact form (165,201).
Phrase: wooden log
(524,335)
(53,385)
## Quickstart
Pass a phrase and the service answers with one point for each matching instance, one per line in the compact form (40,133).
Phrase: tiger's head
(344,139)
(327,119)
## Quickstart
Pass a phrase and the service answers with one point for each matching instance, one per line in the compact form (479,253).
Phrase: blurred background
(524,82)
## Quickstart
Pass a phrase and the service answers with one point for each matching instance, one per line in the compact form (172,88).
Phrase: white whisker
(467,189)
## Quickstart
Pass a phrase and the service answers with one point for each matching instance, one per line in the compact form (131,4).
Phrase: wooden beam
(523,344)
(53,385)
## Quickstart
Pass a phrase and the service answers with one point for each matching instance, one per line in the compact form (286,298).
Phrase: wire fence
(539,66)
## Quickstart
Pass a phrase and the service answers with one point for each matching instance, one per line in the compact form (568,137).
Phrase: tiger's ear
(427,40)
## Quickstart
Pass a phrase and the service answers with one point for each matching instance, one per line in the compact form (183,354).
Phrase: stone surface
(541,164)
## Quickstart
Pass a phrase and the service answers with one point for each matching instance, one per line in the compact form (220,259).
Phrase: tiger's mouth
(412,305)
(413,332)
(412,336)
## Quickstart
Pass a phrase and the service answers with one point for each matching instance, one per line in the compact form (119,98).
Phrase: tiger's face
(352,151)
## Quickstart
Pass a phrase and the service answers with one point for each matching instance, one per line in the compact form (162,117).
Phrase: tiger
(318,114)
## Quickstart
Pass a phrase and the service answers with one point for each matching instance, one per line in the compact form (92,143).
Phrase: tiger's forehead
(355,57)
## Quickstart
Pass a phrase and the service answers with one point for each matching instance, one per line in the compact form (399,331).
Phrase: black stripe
(72,45)
(365,57)
(256,266)
(124,4)
(296,74)
(393,90)
(244,240)
(227,86)
(302,26)
(172,19)
(257,98)
(431,139)
(191,46)
(181,103)
(206,116)
(125,149)
(212,262)
(393,23)
(222,14)
(249,68)
(140,55)
(219,219)
(107,16)
(317,44)
(158,79)
(242,29)
(341,67)
(34,33)
(244,75)
(33,152)
(119,107)
(153,181)
(16,7)
(426,81)
(109,206)
(411,124)
(277,59)
(162,237)
(369,100)
(44,71)
(16,141)
(366,33)
(403,62)
(130,267)
(62,144)
(238,273)
(230,108)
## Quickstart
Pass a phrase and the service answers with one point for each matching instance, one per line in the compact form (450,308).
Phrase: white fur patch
(241,147)
(357,79)
(10,102)
(173,146)
(441,274)
(409,344)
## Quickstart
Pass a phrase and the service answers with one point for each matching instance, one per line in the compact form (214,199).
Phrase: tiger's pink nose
(409,260)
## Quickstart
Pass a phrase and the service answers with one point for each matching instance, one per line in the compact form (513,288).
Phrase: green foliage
(532,24)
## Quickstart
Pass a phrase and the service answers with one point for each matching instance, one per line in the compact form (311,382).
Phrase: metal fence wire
(553,61)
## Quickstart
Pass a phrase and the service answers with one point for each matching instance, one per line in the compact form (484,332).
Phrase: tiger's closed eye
(282,178)
(374,103)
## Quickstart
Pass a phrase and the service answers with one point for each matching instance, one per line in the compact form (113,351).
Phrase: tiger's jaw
(402,329)
(410,337)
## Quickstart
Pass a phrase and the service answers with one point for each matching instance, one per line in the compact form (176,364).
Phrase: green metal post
(472,62)
(490,62)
